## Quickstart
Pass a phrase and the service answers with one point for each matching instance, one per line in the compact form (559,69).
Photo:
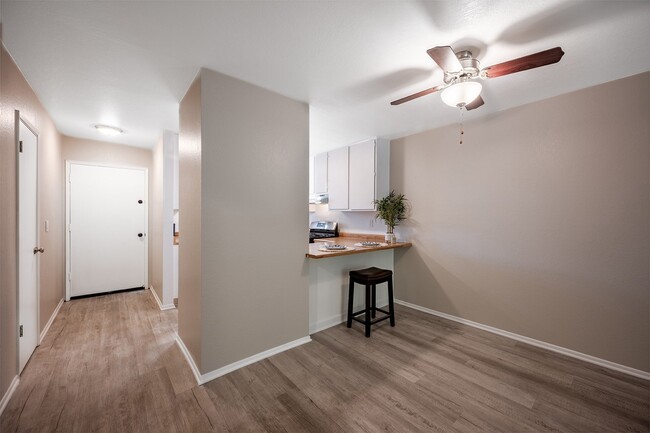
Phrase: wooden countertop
(349,240)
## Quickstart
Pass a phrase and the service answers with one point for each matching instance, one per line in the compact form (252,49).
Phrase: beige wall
(253,155)
(255,177)
(101,152)
(16,94)
(539,223)
(189,248)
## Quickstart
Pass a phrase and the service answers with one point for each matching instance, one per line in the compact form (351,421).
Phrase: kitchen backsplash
(354,222)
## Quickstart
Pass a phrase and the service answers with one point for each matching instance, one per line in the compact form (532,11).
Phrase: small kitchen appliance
(322,230)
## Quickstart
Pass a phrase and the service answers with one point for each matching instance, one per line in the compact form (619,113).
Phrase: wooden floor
(110,364)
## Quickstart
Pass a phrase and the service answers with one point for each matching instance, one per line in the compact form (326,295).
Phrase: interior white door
(27,243)
(107,223)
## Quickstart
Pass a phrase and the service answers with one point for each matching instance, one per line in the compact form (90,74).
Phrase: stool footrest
(372,322)
(364,311)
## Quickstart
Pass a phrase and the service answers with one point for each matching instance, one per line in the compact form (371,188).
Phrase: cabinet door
(337,179)
(362,175)
(320,173)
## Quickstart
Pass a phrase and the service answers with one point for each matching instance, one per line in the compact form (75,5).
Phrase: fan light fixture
(461,93)
(108,130)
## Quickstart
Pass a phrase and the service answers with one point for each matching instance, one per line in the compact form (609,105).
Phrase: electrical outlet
(47,226)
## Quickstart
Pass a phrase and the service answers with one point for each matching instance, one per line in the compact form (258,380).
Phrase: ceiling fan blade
(475,103)
(532,61)
(445,58)
(417,95)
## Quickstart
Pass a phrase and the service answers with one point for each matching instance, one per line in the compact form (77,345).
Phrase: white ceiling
(128,63)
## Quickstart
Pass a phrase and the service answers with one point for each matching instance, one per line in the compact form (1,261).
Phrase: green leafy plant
(391,209)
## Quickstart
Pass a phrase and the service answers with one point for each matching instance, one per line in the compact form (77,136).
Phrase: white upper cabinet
(358,175)
(337,178)
(362,176)
(320,173)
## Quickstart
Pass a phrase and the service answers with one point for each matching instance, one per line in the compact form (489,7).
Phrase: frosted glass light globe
(461,94)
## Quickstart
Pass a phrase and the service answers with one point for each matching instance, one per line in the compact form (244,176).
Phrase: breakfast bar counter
(352,242)
(329,279)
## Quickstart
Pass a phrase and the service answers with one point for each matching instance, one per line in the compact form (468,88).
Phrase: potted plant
(391,209)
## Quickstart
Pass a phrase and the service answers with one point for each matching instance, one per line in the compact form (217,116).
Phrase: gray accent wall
(253,279)
(538,224)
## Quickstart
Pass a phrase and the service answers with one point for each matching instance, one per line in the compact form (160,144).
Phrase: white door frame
(17,119)
(68,163)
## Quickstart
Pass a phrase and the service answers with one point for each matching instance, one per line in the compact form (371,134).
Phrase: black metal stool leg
(350,302)
(374,301)
(368,308)
(391,306)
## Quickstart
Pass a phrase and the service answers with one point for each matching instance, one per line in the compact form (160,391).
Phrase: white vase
(389,238)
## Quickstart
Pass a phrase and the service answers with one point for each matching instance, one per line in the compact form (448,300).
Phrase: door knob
(38,250)
(140,235)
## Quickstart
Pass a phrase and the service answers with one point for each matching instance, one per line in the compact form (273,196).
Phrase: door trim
(17,119)
(68,163)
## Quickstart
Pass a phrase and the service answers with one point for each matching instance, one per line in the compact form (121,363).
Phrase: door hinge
(20,146)
(21,330)
(69,276)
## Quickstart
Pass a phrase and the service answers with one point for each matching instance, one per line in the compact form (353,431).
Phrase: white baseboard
(10,391)
(544,345)
(251,359)
(189,359)
(49,322)
(207,377)
(160,304)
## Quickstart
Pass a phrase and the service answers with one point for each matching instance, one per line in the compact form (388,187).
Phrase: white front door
(107,228)
(27,243)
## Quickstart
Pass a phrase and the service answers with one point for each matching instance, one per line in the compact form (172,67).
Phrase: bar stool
(370,277)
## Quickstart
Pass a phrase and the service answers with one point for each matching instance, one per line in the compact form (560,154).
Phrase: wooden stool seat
(370,277)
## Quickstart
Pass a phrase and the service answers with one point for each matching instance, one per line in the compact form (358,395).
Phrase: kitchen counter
(349,240)
(328,279)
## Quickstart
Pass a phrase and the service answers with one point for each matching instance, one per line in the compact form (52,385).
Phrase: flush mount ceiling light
(108,130)
(461,93)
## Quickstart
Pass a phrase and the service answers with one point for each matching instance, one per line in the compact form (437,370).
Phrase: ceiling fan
(460,88)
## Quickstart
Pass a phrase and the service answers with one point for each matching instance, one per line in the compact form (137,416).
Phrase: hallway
(108,363)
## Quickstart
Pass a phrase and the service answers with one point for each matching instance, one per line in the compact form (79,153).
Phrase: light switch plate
(47,226)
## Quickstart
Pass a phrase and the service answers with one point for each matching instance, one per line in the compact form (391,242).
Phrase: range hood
(318,198)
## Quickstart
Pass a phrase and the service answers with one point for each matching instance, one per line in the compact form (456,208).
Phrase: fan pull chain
(461,125)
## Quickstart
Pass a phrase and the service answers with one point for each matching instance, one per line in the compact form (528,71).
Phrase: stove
(322,230)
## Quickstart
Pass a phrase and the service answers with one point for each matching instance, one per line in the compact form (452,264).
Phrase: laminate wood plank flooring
(110,364)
